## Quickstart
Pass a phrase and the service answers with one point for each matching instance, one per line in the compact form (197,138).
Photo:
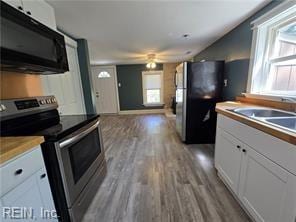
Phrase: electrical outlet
(225,82)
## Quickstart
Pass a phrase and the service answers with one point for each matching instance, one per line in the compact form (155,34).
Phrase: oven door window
(84,153)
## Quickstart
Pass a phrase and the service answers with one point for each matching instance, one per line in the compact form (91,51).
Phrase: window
(104,74)
(152,88)
(273,67)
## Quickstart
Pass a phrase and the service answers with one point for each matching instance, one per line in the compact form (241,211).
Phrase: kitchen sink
(286,122)
(262,112)
(282,119)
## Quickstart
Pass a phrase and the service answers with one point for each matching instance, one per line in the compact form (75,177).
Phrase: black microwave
(28,46)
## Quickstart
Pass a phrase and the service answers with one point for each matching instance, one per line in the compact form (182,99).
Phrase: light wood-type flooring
(152,176)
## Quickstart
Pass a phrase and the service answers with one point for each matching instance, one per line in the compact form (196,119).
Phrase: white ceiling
(124,32)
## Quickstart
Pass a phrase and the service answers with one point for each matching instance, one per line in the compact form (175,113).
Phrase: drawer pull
(238,146)
(18,172)
(43,176)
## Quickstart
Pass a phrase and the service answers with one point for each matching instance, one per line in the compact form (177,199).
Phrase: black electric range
(73,150)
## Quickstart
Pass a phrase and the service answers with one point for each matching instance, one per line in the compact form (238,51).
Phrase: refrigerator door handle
(175,80)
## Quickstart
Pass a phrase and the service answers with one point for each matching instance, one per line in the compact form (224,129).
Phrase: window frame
(144,90)
(264,36)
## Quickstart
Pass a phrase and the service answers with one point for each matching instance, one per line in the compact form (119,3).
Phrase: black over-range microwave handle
(61,54)
(175,78)
(58,47)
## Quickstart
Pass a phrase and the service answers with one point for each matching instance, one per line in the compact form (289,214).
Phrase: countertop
(10,147)
(282,134)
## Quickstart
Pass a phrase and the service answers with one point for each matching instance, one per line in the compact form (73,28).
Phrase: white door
(105,86)
(67,87)
(267,191)
(228,158)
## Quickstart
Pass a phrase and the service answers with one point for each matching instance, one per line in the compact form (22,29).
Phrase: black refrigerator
(198,88)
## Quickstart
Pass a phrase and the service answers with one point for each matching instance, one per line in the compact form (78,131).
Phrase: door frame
(115,82)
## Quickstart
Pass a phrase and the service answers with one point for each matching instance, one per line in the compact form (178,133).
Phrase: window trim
(152,72)
(257,65)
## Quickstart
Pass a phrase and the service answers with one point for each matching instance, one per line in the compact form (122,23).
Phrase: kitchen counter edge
(12,147)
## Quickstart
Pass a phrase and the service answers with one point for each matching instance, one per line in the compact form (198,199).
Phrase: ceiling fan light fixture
(151,65)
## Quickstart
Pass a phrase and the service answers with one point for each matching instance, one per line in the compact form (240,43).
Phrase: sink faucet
(289,99)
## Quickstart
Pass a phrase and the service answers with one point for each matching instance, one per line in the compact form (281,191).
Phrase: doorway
(105,86)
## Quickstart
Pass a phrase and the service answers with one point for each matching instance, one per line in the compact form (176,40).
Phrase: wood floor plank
(153,177)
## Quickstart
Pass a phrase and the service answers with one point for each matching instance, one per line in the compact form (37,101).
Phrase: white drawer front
(20,169)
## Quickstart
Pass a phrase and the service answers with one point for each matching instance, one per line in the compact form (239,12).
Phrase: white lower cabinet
(23,202)
(265,188)
(27,195)
(228,159)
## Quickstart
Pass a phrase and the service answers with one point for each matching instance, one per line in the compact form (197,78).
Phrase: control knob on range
(2,107)
(48,101)
(42,102)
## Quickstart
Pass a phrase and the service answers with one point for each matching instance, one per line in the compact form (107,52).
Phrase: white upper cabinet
(18,4)
(37,9)
(41,11)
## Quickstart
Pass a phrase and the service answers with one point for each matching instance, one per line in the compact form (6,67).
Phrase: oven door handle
(79,135)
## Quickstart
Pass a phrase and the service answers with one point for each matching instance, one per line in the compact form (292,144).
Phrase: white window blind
(152,88)
(153,81)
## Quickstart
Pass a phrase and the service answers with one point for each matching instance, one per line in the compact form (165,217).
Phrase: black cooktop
(67,125)
(48,124)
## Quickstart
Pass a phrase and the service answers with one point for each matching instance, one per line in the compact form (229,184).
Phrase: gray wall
(130,92)
(234,48)
(85,71)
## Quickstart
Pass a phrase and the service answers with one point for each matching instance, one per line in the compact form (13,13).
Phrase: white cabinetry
(27,190)
(25,195)
(18,4)
(265,186)
(228,158)
(37,9)
(67,87)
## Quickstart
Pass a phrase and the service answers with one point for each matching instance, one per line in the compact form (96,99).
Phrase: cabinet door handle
(18,172)
(238,146)
(20,8)
(244,150)
(42,176)
(29,13)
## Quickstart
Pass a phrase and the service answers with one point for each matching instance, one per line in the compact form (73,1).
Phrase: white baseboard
(141,111)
